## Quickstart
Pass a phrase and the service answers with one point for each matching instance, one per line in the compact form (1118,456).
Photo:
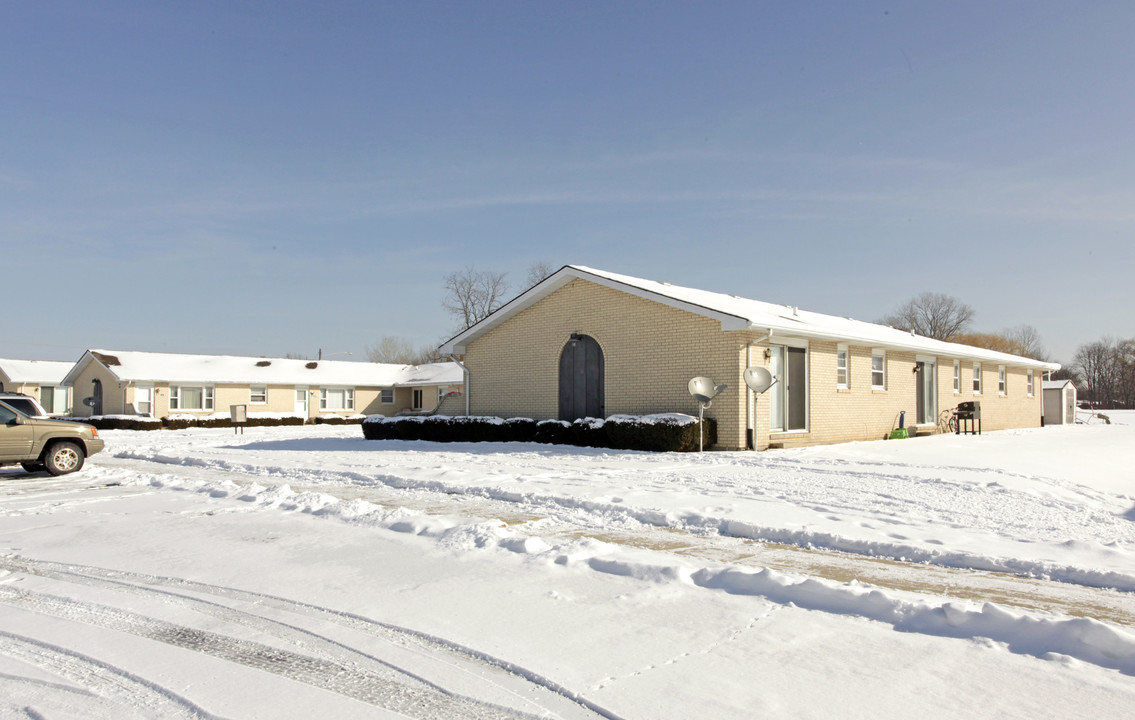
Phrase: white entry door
(144,399)
(301,402)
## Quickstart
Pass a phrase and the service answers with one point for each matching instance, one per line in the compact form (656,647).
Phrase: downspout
(465,373)
(750,411)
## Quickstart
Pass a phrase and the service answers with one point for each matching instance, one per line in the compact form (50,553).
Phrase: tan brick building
(586,342)
(41,379)
(113,382)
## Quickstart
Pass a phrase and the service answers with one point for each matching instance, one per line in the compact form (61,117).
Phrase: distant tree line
(1104,372)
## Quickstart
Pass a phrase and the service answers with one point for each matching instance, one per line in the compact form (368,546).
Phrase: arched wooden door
(96,397)
(581,379)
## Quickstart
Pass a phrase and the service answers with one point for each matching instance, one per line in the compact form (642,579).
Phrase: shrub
(667,432)
(339,419)
(670,432)
(120,422)
(556,432)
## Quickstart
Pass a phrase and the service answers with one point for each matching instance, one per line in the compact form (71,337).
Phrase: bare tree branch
(472,295)
(537,272)
(932,315)
(391,349)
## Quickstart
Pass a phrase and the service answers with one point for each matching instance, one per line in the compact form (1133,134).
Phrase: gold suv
(35,441)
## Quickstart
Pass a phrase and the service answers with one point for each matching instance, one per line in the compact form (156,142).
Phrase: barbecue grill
(969,412)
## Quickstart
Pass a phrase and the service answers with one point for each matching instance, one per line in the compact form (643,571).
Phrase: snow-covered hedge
(118,422)
(339,419)
(667,432)
(183,420)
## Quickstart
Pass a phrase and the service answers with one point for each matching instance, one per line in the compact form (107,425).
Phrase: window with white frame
(190,397)
(55,399)
(1001,384)
(442,391)
(842,377)
(878,370)
(1029,379)
(977,378)
(336,398)
(957,376)
(258,394)
(387,396)
(418,399)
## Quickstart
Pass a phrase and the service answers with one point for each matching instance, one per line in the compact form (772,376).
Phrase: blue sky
(265,178)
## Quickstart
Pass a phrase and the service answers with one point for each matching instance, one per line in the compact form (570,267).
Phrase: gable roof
(133,366)
(40,372)
(737,313)
(1056,384)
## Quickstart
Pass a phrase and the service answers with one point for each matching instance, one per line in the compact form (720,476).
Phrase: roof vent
(311,365)
(107,360)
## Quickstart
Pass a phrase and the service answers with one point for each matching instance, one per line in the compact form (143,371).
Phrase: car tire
(63,458)
(32,467)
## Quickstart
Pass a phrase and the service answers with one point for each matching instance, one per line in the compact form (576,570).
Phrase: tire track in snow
(561,701)
(125,692)
(379,689)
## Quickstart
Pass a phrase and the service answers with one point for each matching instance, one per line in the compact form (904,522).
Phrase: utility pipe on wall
(465,373)
(750,407)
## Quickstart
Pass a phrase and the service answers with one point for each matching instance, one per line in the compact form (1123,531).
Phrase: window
(878,370)
(55,399)
(441,393)
(258,394)
(1030,383)
(977,378)
(190,397)
(1001,389)
(841,374)
(337,399)
(387,396)
(957,376)
(417,399)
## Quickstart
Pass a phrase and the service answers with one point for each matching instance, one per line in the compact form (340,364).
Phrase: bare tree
(1125,353)
(1023,341)
(472,295)
(391,349)
(1028,342)
(998,342)
(932,315)
(537,272)
(1098,366)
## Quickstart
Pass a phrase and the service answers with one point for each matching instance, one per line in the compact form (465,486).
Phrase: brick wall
(652,350)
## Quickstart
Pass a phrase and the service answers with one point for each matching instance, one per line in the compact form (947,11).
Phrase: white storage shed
(1059,402)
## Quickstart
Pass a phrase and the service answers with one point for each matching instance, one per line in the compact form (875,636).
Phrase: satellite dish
(758,379)
(703,389)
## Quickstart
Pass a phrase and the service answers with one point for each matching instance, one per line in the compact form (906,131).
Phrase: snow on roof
(42,372)
(173,367)
(1055,384)
(737,313)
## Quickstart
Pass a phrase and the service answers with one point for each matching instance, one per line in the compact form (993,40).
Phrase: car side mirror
(18,420)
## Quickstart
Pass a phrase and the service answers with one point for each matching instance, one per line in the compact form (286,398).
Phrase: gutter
(750,407)
(465,372)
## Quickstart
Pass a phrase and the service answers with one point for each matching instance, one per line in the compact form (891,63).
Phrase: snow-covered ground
(305,571)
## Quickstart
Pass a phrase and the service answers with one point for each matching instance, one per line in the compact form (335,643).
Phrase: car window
(25,405)
(6,415)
